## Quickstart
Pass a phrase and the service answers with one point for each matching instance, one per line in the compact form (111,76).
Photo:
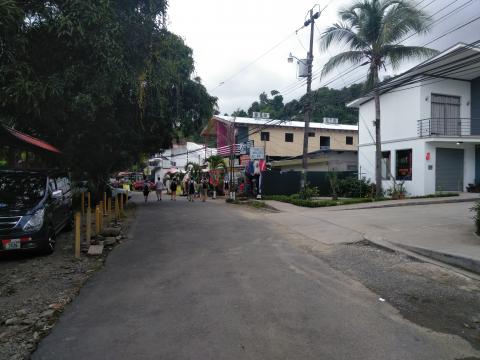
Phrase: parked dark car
(34,207)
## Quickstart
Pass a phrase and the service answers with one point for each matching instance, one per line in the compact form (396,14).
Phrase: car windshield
(19,190)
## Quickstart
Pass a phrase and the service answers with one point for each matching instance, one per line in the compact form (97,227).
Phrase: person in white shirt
(159,188)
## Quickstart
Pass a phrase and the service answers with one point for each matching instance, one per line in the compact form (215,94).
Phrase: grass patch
(317,203)
(257,204)
(436,195)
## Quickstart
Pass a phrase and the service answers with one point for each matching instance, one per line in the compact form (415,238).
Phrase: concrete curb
(463,266)
(414,203)
(469,264)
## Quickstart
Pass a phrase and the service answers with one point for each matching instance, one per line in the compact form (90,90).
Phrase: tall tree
(103,80)
(372,29)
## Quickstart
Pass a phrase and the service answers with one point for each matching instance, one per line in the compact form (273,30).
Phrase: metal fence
(444,127)
(288,183)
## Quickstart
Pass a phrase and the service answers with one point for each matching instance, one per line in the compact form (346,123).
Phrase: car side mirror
(57,194)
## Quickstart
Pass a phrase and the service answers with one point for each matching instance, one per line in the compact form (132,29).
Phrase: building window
(324,142)
(445,115)
(386,165)
(311,134)
(349,140)
(404,165)
(288,137)
(265,136)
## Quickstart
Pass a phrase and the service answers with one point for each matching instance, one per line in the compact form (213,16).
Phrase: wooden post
(100,210)
(117,208)
(89,200)
(109,209)
(78,221)
(104,202)
(83,203)
(89,226)
(97,220)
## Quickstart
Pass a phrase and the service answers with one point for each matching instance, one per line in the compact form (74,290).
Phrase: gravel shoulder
(34,291)
(423,293)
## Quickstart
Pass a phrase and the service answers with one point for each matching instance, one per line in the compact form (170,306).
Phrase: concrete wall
(278,147)
(423,170)
(398,111)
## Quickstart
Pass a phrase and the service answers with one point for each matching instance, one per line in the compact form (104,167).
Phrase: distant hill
(328,103)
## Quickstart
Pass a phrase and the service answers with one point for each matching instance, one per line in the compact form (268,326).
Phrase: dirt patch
(34,291)
(423,293)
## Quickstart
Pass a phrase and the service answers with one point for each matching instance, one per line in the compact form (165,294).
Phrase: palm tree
(373,29)
(216,162)
(194,170)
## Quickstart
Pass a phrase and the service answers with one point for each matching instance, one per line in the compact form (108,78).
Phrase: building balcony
(444,127)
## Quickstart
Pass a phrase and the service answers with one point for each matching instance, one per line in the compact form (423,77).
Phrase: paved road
(215,281)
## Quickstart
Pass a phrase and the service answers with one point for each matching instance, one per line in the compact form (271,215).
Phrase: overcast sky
(226,36)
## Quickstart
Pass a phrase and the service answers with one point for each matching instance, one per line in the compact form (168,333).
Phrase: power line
(255,60)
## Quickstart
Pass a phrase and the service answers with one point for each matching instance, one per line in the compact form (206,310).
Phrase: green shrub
(352,187)
(308,192)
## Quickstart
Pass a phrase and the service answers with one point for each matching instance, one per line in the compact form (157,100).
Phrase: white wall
(423,178)
(399,112)
(414,187)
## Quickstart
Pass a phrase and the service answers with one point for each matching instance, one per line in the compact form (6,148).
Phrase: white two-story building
(430,125)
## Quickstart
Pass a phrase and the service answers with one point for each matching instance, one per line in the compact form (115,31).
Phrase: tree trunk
(378,140)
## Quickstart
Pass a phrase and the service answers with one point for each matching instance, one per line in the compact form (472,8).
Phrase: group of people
(193,189)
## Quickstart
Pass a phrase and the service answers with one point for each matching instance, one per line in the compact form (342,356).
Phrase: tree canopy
(327,103)
(103,80)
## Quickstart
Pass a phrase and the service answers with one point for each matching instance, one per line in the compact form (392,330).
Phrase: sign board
(243,148)
(244,159)
(257,153)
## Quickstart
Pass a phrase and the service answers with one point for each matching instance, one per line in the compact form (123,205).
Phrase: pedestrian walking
(173,189)
(159,188)
(146,190)
(204,189)
(191,190)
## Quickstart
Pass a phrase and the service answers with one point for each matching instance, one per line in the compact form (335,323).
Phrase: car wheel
(49,244)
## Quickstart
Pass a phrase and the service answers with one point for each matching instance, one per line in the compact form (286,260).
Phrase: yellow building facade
(278,143)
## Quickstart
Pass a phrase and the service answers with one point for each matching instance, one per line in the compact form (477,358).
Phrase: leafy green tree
(372,29)
(240,113)
(103,80)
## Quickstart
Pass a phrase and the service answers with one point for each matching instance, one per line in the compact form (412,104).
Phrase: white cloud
(227,35)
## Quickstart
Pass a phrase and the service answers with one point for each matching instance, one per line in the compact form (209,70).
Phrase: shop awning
(16,138)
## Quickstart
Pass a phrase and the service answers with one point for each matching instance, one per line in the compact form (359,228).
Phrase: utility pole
(309,103)
(232,159)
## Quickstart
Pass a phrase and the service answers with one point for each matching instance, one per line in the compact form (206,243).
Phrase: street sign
(243,148)
(257,153)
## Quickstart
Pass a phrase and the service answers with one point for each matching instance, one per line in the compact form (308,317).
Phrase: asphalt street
(219,281)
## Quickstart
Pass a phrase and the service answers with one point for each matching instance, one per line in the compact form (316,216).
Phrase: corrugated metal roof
(284,123)
(30,140)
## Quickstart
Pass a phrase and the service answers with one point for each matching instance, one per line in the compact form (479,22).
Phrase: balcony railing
(444,127)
